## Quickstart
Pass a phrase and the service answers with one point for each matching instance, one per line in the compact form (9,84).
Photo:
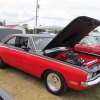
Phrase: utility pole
(37,7)
(36,12)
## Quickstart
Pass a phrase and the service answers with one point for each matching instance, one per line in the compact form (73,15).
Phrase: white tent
(49,25)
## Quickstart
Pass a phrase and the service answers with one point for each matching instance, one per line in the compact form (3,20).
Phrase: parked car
(7,31)
(46,57)
(96,36)
(88,45)
(45,33)
(4,95)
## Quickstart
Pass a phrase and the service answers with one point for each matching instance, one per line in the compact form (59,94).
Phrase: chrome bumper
(90,83)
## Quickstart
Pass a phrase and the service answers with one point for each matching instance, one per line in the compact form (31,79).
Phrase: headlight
(89,76)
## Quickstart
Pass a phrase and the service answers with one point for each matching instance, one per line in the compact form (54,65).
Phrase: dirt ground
(26,87)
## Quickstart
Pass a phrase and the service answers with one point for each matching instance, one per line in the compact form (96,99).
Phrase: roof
(2,27)
(11,26)
(29,35)
(26,35)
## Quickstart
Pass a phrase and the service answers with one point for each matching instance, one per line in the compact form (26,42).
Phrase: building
(17,26)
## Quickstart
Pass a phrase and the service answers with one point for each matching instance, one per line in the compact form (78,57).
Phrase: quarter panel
(68,72)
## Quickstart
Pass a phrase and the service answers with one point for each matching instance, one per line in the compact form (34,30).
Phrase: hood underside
(74,32)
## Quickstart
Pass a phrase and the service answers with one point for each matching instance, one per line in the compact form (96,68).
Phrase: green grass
(26,87)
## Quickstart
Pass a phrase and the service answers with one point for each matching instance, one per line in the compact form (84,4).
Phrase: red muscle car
(46,57)
(88,45)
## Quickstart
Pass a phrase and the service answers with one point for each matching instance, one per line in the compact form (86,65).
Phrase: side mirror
(25,48)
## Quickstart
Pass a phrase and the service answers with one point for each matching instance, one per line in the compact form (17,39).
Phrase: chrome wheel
(54,82)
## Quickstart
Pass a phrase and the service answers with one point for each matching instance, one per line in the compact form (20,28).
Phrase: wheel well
(42,76)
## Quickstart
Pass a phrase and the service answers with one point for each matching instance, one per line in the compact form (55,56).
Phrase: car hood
(74,32)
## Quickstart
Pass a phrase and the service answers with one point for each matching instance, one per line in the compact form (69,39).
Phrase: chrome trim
(90,83)
(88,53)
(93,78)
(33,43)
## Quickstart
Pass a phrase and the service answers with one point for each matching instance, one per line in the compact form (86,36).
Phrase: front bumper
(90,83)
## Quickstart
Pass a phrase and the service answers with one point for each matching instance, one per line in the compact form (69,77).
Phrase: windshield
(91,40)
(41,42)
(97,38)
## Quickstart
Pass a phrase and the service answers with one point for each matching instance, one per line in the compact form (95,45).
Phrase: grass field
(26,87)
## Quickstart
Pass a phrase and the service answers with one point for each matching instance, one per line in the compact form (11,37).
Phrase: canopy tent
(49,27)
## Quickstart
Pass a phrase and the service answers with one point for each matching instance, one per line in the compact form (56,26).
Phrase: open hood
(74,32)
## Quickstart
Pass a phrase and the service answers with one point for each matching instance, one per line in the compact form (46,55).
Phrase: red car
(46,57)
(88,45)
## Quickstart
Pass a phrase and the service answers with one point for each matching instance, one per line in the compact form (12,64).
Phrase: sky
(59,12)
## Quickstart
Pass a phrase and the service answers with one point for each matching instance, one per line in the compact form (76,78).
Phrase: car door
(22,59)
(6,50)
(82,46)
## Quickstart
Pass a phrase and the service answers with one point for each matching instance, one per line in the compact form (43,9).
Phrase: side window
(18,41)
(11,41)
(23,41)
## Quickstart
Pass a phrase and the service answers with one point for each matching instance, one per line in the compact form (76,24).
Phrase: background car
(89,45)
(96,36)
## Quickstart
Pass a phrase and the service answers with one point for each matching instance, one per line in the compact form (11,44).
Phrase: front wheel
(55,82)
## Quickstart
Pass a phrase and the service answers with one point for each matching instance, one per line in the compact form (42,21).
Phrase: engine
(72,57)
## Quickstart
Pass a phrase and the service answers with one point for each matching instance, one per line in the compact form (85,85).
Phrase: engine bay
(73,57)
(81,60)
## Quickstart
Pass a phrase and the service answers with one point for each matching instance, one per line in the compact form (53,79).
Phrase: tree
(36,31)
(95,30)
(1,24)
(54,31)
(26,27)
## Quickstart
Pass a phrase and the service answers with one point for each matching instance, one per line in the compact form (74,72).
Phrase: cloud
(61,11)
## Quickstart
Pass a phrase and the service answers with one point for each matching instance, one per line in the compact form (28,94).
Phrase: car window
(18,41)
(97,38)
(91,40)
(82,41)
(41,42)
(23,41)
(11,41)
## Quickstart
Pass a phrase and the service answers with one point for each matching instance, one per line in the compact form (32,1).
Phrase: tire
(55,82)
(2,64)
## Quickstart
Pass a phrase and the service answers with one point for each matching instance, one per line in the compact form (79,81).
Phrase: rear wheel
(55,82)
(2,64)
